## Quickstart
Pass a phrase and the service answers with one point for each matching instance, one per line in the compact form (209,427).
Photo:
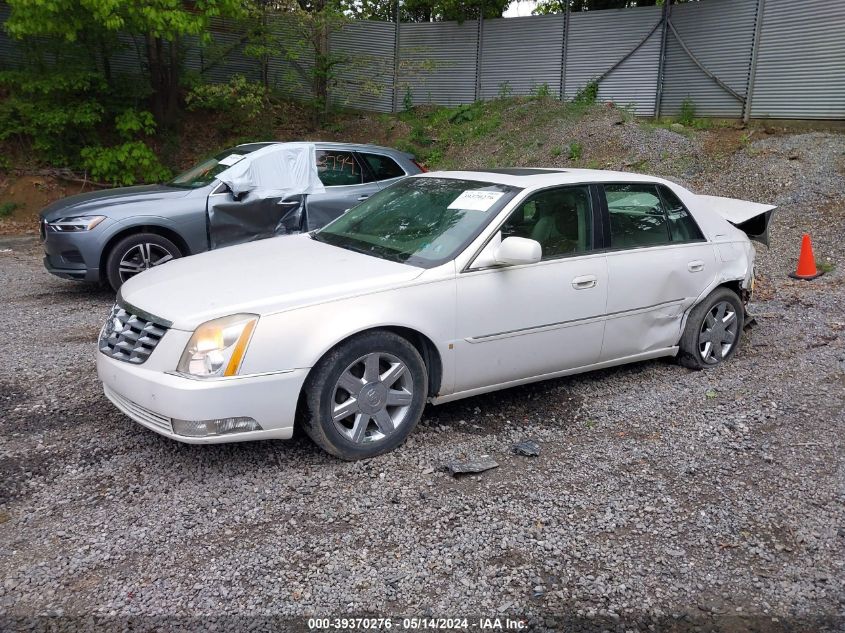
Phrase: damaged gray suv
(115,234)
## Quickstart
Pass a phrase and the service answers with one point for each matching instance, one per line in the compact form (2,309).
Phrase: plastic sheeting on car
(276,170)
(268,193)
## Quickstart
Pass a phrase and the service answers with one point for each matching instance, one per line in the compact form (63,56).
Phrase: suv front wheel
(135,254)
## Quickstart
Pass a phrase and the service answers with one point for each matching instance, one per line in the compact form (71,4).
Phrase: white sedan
(443,286)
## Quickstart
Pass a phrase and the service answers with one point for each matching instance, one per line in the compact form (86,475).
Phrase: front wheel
(135,254)
(713,330)
(366,396)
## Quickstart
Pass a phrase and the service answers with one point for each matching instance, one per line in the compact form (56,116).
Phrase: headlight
(217,347)
(71,225)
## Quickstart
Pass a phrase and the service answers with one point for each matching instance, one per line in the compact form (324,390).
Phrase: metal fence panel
(438,62)
(801,61)
(292,71)
(223,57)
(599,39)
(365,80)
(521,54)
(720,34)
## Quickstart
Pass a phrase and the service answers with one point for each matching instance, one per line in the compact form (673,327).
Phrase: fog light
(208,428)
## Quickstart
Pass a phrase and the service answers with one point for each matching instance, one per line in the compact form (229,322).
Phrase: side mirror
(514,251)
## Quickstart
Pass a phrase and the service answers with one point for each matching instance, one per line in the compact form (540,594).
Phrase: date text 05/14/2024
(417,624)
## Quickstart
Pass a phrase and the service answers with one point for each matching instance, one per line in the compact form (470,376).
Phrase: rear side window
(338,168)
(682,226)
(636,216)
(383,167)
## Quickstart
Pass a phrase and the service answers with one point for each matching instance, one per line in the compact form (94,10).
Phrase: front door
(347,183)
(658,265)
(250,216)
(525,321)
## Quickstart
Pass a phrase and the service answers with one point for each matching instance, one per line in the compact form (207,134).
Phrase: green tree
(162,26)
(559,6)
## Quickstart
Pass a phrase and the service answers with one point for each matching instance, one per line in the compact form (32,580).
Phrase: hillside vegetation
(512,131)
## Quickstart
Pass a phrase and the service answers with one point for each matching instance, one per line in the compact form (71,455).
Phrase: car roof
(535,177)
(356,147)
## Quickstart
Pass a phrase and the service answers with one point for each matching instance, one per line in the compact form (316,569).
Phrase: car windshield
(205,172)
(419,221)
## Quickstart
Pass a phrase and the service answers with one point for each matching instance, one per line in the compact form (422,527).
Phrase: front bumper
(73,255)
(152,398)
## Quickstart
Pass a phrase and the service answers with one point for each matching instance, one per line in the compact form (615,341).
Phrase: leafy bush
(542,91)
(505,90)
(56,112)
(240,97)
(686,116)
(408,99)
(588,94)
(576,150)
(130,161)
(8,208)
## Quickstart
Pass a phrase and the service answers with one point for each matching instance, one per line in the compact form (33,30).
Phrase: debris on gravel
(478,465)
(527,448)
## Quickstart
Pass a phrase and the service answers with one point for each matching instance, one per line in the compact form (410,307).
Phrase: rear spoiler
(752,218)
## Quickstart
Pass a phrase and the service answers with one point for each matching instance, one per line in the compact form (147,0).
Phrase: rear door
(658,265)
(347,183)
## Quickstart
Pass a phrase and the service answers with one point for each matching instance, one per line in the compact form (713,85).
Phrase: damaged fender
(752,218)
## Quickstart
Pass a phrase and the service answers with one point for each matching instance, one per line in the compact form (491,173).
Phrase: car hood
(261,277)
(104,202)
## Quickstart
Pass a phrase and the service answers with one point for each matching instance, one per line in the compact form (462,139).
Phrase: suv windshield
(205,172)
(419,221)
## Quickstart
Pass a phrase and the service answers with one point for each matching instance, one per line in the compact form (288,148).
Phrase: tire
(135,254)
(723,308)
(372,425)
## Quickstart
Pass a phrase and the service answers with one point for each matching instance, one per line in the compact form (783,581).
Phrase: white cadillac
(443,286)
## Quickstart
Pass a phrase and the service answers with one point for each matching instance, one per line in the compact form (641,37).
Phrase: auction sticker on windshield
(476,200)
(230,160)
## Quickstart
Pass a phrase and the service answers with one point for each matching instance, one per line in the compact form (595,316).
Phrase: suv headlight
(73,225)
(217,347)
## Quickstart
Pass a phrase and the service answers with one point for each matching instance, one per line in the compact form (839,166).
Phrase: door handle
(695,266)
(364,197)
(289,203)
(584,281)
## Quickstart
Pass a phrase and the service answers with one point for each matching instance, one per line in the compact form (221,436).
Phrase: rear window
(337,169)
(383,167)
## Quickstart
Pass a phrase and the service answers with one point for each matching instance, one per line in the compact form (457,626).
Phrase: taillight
(414,160)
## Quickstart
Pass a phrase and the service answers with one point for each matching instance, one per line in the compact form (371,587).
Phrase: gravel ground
(662,499)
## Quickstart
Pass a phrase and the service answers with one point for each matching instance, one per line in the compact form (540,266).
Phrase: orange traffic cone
(806,261)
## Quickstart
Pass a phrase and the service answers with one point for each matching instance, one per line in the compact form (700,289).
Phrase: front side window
(636,216)
(419,221)
(338,168)
(383,167)
(205,172)
(560,219)
(682,226)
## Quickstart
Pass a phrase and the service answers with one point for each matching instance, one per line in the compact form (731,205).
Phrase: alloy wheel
(140,258)
(718,333)
(372,398)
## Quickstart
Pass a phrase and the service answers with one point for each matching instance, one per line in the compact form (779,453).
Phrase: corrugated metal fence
(730,58)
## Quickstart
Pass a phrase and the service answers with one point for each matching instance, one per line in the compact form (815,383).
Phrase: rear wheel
(366,396)
(713,330)
(135,254)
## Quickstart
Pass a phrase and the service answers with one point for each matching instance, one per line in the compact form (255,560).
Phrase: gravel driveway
(661,498)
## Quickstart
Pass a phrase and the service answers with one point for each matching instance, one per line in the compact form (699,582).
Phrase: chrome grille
(130,337)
